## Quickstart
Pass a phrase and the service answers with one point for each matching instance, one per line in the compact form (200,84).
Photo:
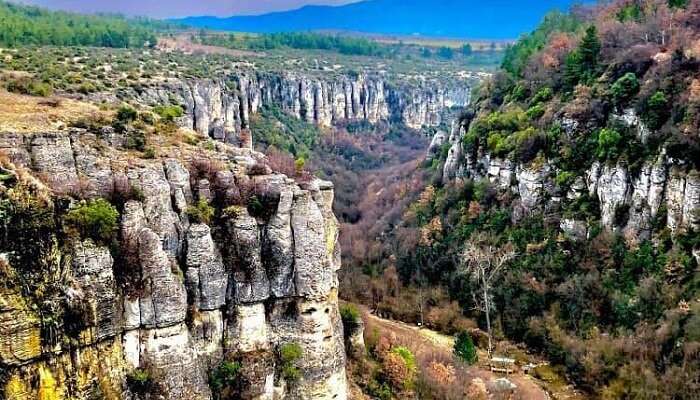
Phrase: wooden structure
(502,364)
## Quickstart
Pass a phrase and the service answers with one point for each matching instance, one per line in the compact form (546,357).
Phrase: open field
(28,114)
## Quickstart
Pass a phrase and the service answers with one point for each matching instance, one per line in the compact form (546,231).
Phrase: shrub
(564,179)
(656,112)
(96,219)
(407,356)
(609,141)
(542,95)
(350,316)
(126,114)
(139,381)
(299,165)
(149,153)
(464,348)
(624,88)
(225,378)
(535,112)
(87,88)
(399,368)
(201,212)
(290,353)
(169,112)
(30,86)
(135,140)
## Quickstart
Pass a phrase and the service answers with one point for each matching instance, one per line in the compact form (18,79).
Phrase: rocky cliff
(663,191)
(222,108)
(152,311)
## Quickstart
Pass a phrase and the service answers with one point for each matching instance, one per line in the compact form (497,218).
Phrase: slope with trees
(26,25)
(618,315)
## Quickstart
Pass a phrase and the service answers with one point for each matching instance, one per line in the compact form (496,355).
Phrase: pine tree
(464,348)
(589,51)
(582,64)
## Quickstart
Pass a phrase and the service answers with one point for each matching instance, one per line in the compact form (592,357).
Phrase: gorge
(193,214)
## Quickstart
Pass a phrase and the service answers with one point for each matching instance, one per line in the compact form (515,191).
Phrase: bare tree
(484,263)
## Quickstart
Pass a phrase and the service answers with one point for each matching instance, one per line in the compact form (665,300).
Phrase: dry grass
(184,44)
(27,114)
(440,376)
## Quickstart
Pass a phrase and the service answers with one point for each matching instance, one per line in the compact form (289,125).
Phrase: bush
(225,378)
(399,368)
(350,316)
(655,112)
(564,179)
(624,88)
(87,88)
(535,112)
(139,382)
(407,356)
(201,212)
(609,141)
(170,112)
(126,114)
(30,86)
(464,348)
(290,353)
(543,95)
(96,219)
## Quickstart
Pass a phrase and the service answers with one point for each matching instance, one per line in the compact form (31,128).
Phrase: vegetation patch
(94,219)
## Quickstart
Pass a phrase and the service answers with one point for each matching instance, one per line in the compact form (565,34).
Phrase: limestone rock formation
(222,108)
(629,201)
(172,296)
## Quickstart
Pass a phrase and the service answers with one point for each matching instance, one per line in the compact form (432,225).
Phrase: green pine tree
(464,348)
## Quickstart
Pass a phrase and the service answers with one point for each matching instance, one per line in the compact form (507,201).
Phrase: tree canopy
(27,25)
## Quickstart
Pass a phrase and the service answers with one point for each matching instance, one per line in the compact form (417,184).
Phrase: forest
(294,40)
(616,315)
(26,26)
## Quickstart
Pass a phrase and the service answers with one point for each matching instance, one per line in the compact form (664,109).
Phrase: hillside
(442,18)
(26,25)
(576,172)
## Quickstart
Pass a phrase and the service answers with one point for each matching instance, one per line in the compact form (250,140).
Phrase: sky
(180,8)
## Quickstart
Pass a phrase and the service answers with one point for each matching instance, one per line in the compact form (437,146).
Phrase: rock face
(221,109)
(177,296)
(629,201)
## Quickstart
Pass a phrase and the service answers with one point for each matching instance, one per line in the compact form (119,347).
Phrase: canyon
(173,296)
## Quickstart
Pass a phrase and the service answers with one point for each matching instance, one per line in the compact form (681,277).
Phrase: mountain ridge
(442,18)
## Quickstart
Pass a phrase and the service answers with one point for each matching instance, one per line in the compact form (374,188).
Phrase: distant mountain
(491,19)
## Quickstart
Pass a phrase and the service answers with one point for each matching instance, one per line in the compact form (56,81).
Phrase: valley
(317,214)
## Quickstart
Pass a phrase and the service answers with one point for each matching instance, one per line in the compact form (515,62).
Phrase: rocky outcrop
(222,108)
(176,296)
(629,201)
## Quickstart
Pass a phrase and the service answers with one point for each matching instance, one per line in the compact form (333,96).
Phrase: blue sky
(179,8)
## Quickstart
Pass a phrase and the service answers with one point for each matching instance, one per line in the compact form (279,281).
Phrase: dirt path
(528,388)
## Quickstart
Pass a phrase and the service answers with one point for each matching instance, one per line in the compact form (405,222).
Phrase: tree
(582,64)
(467,49)
(484,262)
(589,49)
(446,53)
(464,348)
(624,88)
(609,141)
(655,112)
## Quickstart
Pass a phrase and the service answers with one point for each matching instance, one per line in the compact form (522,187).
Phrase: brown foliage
(395,370)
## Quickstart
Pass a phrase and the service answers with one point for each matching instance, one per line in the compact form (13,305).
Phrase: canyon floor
(425,340)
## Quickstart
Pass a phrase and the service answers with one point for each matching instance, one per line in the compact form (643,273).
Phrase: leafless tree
(484,263)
